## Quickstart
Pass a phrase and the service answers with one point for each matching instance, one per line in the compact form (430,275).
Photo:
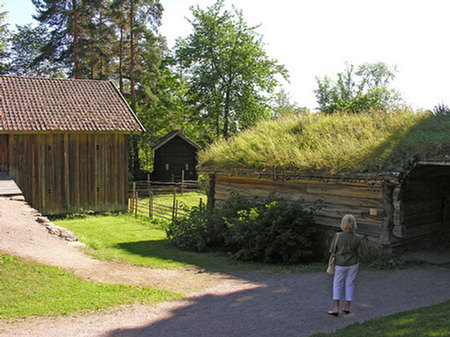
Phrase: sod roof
(372,143)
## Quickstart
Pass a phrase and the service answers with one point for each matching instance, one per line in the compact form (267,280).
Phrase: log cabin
(65,143)
(175,158)
(400,201)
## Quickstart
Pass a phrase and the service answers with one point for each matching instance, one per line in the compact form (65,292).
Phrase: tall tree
(61,20)
(228,70)
(365,89)
(3,41)
(25,45)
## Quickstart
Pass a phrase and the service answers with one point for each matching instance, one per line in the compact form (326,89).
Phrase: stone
(17,198)
(61,232)
(42,219)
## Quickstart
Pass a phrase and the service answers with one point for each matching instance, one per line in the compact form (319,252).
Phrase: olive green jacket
(348,250)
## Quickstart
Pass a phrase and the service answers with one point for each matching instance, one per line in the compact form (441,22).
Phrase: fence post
(174,201)
(137,204)
(132,197)
(182,181)
(150,204)
(201,204)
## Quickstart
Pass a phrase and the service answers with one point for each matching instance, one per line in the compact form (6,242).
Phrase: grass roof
(337,143)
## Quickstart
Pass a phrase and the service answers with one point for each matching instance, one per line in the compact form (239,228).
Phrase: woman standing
(348,253)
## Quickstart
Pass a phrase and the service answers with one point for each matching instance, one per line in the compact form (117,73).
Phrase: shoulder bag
(332,260)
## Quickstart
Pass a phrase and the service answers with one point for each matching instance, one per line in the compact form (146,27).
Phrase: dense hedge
(269,230)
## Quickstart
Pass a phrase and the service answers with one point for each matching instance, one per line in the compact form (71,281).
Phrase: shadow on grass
(164,250)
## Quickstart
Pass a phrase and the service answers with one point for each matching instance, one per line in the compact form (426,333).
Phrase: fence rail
(144,186)
(141,202)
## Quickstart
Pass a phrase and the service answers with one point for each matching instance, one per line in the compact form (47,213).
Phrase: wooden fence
(141,201)
(146,186)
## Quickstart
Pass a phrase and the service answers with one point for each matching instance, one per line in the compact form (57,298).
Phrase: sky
(314,38)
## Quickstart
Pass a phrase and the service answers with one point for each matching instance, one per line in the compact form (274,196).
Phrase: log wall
(64,173)
(366,201)
(422,204)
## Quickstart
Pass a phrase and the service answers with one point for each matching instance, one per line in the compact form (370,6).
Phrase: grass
(188,199)
(30,289)
(432,321)
(372,142)
(185,200)
(137,241)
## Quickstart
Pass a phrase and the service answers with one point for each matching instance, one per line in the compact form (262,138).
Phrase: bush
(266,230)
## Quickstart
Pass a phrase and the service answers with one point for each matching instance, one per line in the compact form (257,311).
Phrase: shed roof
(339,145)
(171,135)
(32,104)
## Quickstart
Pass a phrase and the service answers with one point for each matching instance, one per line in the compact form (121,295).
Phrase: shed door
(4,153)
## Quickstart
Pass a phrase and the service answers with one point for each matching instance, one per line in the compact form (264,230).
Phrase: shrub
(267,230)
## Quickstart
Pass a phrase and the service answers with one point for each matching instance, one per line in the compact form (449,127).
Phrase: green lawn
(137,241)
(185,200)
(30,289)
(433,321)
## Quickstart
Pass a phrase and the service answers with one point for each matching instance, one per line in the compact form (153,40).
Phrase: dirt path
(241,304)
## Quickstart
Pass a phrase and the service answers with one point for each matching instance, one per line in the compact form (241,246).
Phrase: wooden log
(348,191)
(424,229)
(363,226)
(370,191)
(419,219)
(399,231)
(327,199)
(414,207)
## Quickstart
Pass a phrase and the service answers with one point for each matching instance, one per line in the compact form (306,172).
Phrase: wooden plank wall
(4,153)
(364,201)
(64,173)
(423,203)
(177,153)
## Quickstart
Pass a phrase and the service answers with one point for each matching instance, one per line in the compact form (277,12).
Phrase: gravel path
(237,304)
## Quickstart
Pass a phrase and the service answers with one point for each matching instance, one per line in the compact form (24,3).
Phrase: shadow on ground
(295,305)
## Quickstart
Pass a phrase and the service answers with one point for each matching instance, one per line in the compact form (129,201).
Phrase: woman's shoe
(346,311)
(333,313)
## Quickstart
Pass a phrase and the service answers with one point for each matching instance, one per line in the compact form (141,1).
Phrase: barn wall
(176,153)
(63,173)
(366,201)
(4,153)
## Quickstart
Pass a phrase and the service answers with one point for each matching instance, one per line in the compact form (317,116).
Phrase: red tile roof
(49,104)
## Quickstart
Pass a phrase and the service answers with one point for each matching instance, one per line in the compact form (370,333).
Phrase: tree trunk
(121,61)
(102,67)
(76,69)
(132,64)
(134,138)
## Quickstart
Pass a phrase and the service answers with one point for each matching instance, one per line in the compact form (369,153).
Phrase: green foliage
(227,69)
(29,289)
(26,43)
(441,109)
(428,321)
(4,32)
(332,143)
(264,230)
(137,241)
(363,90)
(283,106)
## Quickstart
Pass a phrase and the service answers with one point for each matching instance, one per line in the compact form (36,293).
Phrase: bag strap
(335,244)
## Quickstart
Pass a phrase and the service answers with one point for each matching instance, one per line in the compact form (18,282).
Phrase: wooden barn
(65,143)
(395,209)
(175,156)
